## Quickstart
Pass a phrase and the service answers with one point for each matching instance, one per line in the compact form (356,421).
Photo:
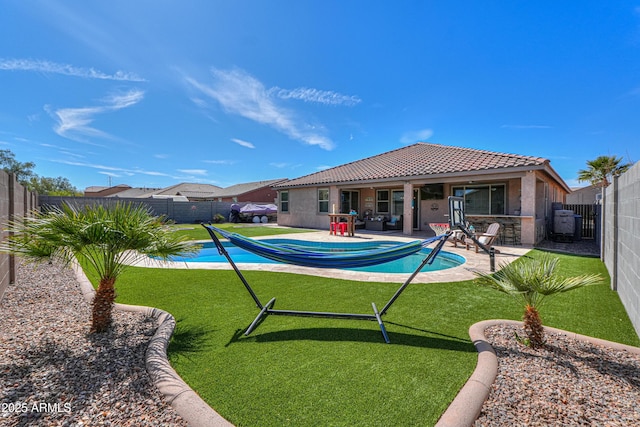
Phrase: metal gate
(587,212)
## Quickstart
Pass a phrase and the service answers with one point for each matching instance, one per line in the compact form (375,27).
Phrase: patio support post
(528,206)
(407,221)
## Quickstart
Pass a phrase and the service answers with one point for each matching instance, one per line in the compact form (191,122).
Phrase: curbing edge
(466,406)
(186,402)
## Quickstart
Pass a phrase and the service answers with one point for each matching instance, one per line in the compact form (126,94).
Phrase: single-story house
(256,192)
(584,196)
(412,183)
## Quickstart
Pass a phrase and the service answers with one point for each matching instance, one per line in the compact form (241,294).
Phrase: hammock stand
(291,255)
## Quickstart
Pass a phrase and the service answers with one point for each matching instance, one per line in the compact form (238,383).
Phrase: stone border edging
(466,406)
(186,402)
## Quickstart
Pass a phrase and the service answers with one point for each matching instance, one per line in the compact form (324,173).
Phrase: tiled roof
(133,192)
(417,160)
(238,189)
(197,194)
(188,187)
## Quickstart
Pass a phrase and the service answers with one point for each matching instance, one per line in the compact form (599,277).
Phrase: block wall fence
(620,243)
(15,201)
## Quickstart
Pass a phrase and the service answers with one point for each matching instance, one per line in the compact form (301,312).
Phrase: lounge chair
(394,224)
(487,238)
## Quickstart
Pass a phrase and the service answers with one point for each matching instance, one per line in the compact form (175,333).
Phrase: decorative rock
(58,373)
(566,383)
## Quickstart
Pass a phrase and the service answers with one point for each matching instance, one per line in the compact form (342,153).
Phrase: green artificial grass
(304,371)
(197,231)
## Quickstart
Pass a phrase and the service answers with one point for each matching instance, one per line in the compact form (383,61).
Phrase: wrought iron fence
(587,212)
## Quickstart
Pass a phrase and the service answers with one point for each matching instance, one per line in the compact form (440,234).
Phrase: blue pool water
(408,264)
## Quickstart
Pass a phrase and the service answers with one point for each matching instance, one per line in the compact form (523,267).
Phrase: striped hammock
(297,256)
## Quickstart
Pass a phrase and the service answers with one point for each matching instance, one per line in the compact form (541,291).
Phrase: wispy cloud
(411,137)
(115,170)
(525,127)
(200,172)
(220,162)
(242,94)
(114,175)
(305,94)
(42,66)
(279,165)
(243,143)
(75,123)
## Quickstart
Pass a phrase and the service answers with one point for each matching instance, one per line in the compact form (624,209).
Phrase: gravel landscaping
(568,383)
(54,373)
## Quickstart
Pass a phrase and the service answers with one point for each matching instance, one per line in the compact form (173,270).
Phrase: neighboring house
(192,191)
(584,195)
(257,192)
(99,191)
(415,181)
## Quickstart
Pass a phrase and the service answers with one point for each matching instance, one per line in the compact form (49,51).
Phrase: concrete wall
(180,212)
(621,239)
(15,201)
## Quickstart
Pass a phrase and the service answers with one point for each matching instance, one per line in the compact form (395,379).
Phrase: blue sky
(154,93)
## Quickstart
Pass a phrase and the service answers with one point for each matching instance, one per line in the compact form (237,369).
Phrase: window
(284,201)
(398,202)
(382,201)
(482,199)
(323,200)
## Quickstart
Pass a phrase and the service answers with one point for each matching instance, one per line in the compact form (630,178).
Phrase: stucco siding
(303,210)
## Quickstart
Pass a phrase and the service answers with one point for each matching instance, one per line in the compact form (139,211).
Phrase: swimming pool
(408,264)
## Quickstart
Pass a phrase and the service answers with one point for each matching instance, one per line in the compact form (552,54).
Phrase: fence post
(614,246)
(12,210)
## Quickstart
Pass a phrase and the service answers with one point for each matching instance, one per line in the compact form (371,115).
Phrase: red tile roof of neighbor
(418,160)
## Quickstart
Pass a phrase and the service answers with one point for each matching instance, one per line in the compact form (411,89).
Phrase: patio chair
(395,223)
(487,238)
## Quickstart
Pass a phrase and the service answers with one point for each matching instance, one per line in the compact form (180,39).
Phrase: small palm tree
(107,239)
(531,281)
(600,170)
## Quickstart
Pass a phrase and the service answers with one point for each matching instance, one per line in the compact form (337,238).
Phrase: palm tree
(106,239)
(531,281)
(601,170)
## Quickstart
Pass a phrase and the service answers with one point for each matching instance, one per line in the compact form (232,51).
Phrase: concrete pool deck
(474,261)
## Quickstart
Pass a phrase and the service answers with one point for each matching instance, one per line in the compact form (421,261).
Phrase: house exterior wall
(260,195)
(583,196)
(303,210)
(529,196)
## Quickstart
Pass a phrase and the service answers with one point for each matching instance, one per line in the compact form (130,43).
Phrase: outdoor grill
(563,224)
